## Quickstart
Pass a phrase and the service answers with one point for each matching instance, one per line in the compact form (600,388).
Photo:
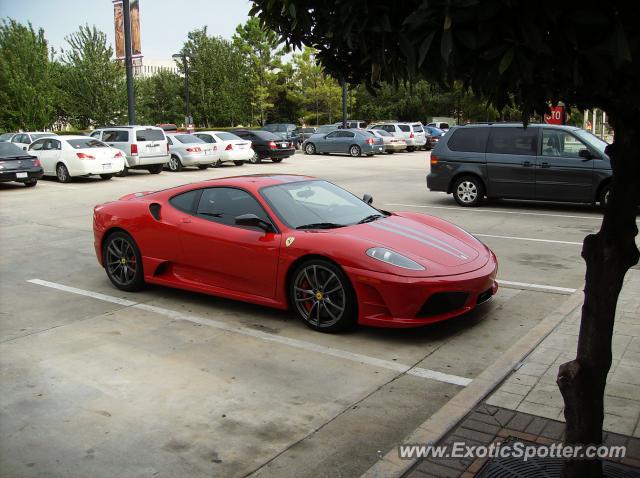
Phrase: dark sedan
(16,165)
(266,145)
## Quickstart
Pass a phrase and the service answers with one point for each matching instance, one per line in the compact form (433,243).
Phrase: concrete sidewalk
(520,394)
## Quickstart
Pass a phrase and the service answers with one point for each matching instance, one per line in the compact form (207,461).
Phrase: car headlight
(385,255)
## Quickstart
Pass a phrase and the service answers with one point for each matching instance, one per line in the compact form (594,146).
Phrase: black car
(541,162)
(16,165)
(266,145)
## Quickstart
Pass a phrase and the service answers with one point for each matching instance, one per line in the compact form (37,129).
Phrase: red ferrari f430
(299,243)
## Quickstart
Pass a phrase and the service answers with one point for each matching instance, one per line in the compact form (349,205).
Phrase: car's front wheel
(322,296)
(468,191)
(123,262)
(310,148)
(255,159)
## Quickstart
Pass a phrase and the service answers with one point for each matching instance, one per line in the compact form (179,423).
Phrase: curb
(440,423)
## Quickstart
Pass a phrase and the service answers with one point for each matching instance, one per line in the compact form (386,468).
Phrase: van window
(404,127)
(472,140)
(513,141)
(115,136)
(443,126)
(417,128)
(149,135)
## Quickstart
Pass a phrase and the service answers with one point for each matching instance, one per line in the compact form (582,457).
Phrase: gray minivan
(506,160)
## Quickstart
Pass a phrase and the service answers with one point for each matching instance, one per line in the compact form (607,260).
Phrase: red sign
(556,116)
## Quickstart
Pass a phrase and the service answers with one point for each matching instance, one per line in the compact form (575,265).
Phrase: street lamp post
(187,107)
(128,61)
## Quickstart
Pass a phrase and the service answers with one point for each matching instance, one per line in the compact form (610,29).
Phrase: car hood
(441,247)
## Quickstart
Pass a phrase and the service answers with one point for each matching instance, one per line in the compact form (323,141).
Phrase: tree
(159,98)
(26,95)
(259,47)
(91,82)
(524,54)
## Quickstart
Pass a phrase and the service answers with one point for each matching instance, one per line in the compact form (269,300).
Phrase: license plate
(283,145)
(22,175)
(380,149)
(106,166)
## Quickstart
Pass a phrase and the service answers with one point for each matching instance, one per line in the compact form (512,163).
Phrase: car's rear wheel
(155,169)
(30,183)
(468,191)
(175,164)
(322,296)
(62,173)
(411,149)
(277,160)
(106,177)
(310,148)
(355,151)
(238,163)
(255,159)
(123,262)
(205,166)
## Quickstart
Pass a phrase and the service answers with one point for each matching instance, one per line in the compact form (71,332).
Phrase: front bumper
(12,175)
(387,300)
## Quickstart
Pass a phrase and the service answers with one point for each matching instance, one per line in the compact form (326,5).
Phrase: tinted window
(444,125)
(185,202)
(52,144)
(86,143)
(345,134)
(115,136)
(149,135)
(513,141)
(95,134)
(325,129)
(35,146)
(207,138)
(417,128)
(223,205)
(334,134)
(10,149)
(265,135)
(228,137)
(404,127)
(389,128)
(472,140)
(561,143)
(187,138)
(242,134)
(169,140)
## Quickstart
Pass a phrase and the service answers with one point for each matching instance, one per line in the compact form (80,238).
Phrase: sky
(164,24)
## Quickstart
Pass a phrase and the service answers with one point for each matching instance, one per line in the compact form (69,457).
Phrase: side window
(561,144)
(18,138)
(405,128)
(346,134)
(96,134)
(333,134)
(169,141)
(513,141)
(207,138)
(115,136)
(389,128)
(55,144)
(186,202)
(223,205)
(37,145)
(472,140)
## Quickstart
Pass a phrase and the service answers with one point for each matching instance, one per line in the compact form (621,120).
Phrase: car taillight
(118,154)
(272,145)
(434,159)
(84,156)
(134,149)
(37,163)
(195,149)
(229,147)
(370,140)
(411,136)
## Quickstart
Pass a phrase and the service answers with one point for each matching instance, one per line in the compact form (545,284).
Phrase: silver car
(189,150)
(354,142)
(412,133)
(391,143)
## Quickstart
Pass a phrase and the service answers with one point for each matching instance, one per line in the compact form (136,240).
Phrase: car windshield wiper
(371,218)
(320,225)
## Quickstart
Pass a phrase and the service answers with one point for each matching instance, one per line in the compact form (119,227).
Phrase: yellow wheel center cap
(123,260)
(319,295)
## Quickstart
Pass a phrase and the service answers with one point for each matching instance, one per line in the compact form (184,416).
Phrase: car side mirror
(586,155)
(368,198)
(252,220)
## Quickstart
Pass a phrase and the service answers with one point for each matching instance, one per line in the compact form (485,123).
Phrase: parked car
(284,130)
(23,140)
(6,137)
(71,156)
(541,162)
(189,150)
(412,133)
(266,145)
(401,269)
(391,143)
(433,136)
(232,148)
(19,166)
(352,124)
(304,134)
(440,125)
(144,147)
(326,128)
(354,142)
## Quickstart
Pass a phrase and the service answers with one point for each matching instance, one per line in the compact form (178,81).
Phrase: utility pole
(344,103)
(128,61)
(188,120)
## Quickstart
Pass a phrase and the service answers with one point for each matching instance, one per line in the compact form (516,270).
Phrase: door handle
(527,164)
(185,220)
(545,165)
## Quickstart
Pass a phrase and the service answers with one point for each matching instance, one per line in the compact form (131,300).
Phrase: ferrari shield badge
(289,241)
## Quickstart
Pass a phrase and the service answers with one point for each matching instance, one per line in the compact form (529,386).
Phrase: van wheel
(411,149)
(156,168)
(205,166)
(468,191)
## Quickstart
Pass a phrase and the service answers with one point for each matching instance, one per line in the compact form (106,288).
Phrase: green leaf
(424,47)
(506,61)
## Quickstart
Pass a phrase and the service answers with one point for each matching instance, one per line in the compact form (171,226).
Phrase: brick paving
(490,424)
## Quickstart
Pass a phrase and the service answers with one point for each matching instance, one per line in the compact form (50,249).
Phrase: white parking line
(238,329)
(525,285)
(497,211)
(527,239)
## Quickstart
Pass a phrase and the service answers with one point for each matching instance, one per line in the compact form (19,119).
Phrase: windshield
(228,137)
(187,138)
(41,135)
(315,202)
(592,139)
(6,136)
(10,149)
(326,129)
(86,143)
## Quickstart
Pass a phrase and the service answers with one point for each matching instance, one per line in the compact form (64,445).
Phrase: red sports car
(295,242)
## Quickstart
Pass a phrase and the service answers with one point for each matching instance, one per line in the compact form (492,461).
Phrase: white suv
(145,147)
(412,133)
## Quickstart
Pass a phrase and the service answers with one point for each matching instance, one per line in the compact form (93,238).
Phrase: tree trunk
(608,255)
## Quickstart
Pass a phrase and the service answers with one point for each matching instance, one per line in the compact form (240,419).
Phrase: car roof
(518,123)
(133,126)
(75,136)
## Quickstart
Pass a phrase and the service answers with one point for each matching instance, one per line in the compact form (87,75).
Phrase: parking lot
(101,383)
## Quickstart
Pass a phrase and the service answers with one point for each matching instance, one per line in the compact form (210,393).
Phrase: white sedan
(23,140)
(69,156)
(232,148)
